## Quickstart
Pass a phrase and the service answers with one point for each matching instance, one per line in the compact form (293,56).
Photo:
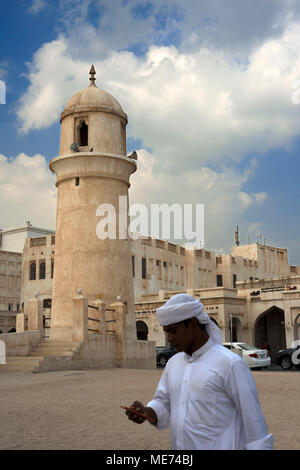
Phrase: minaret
(92,169)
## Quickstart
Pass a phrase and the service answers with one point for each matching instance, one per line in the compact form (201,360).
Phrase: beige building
(226,284)
(13,239)
(10,289)
(12,242)
(257,311)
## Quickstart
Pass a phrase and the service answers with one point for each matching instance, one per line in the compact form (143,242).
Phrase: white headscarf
(182,307)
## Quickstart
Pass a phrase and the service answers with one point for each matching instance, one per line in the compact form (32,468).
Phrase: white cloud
(260,197)
(28,191)
(225,204)
(197,108)
(37,6)
(197,105)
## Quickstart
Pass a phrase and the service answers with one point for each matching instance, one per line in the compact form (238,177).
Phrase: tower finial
(92,73)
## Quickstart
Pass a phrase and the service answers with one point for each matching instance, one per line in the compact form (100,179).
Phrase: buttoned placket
(185,389)
(183,401)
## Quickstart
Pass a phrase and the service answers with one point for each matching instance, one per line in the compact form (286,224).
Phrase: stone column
(80,319)
(119,327)
(100,315)
(20,324)
(35,315)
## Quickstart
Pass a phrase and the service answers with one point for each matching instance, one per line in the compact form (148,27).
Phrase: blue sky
(207,86)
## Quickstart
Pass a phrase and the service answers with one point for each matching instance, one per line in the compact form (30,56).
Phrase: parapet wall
(21,344)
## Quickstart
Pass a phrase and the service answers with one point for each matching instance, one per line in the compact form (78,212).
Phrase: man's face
(180,336)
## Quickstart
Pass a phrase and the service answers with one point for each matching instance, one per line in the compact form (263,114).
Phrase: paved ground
(81,409)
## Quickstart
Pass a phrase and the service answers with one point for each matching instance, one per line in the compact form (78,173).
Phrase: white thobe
(209,400)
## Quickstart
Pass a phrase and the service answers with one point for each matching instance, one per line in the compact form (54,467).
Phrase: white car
(255,358)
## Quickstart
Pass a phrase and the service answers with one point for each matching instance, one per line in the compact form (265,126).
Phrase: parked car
(163,355)
(254,357)
(286,358)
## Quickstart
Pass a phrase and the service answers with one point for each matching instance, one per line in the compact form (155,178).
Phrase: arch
(236,329)
(32,274)
(42,271)
(297,328)
(269,327)
(83,134)
(141,330)
(12,330)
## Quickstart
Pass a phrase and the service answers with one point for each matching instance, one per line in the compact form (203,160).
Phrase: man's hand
(149,413)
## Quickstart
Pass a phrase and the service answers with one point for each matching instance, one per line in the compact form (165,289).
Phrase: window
(10,307)
(83,134)
(133,266)
(52,268)
(47,303)
(42,270)
(32,274)
(158,269)
(234,277)
(39,241)
(144,269)
(77,181)
(123,137)
(219,280)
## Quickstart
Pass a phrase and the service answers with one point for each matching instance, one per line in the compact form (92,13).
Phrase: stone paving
(81,409)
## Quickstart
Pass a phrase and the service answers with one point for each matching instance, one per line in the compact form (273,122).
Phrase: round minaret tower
(92,169)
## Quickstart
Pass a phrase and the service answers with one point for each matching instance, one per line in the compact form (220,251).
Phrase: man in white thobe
(207,394)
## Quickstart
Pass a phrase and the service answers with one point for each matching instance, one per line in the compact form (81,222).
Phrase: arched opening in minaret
(83,134)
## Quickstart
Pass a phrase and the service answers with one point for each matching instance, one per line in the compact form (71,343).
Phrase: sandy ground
(81,409)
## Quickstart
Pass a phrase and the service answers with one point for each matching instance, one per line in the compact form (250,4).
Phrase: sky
(212,93)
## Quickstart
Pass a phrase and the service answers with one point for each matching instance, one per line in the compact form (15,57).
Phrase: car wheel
(286,362)
(163,360)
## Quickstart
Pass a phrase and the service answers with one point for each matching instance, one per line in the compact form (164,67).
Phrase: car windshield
(247,347)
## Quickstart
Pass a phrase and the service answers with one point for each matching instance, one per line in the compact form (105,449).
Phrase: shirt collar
(199,352)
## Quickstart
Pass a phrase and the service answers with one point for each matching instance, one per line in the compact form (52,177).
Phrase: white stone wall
(14,239)
(10,288)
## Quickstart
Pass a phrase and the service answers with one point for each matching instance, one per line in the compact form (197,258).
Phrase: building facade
(13,239)
(250,292)
(10,289)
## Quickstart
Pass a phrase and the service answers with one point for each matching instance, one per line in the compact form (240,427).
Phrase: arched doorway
(297,328)
(141,330)
(12,330)
(235,329)
(269,327)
